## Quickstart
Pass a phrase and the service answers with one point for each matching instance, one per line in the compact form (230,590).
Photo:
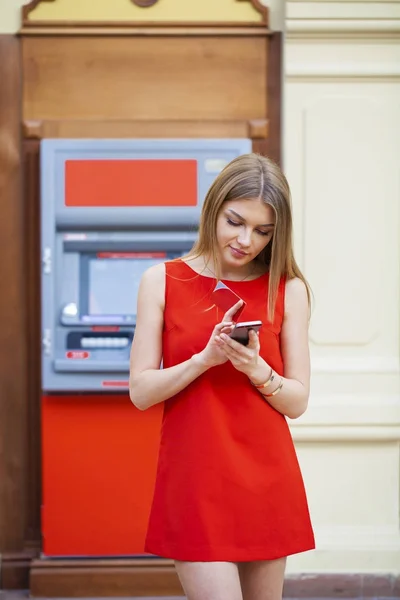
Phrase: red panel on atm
(102,183)
(99,458)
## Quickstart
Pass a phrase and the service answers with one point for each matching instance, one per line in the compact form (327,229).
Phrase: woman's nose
(244,238)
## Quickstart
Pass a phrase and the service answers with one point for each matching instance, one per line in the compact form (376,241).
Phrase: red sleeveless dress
(228,484)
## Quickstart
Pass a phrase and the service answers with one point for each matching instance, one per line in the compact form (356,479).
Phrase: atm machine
(109,210)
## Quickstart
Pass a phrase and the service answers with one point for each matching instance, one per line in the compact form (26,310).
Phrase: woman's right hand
(212,355)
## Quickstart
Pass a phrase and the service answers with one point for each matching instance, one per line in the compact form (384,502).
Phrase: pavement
(23,595)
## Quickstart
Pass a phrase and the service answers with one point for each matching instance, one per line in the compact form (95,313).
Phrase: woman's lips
(238,253)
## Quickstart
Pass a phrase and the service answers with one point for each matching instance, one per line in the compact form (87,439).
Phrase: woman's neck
(207,267)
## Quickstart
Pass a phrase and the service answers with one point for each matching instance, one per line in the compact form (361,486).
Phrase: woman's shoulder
(154,274)
(152,282)
(296,295)
(295,286)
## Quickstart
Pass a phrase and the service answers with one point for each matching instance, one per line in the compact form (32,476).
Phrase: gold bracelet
(267,383)
(278,389)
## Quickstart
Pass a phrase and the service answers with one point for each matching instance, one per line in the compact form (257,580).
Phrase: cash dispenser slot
(77,340)
(82,366)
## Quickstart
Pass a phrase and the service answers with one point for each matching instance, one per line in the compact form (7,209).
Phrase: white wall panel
(342,159)
(366,492)
(342,143)
(347,233)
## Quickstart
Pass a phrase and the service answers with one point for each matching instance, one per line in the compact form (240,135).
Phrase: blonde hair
(252,176)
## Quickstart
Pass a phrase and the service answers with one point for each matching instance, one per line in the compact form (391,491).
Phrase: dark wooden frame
(19,501)
(273,142)
(20,391)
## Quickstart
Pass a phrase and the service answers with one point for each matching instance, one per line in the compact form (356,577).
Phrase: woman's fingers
(237,351)
(224,326)
(253,340)
(234,348)
(232,311)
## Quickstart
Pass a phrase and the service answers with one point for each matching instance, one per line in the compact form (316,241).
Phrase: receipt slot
(110,209)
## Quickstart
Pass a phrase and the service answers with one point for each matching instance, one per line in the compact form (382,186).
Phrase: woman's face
(244,229)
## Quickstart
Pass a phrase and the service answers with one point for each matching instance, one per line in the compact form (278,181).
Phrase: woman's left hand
(244,358)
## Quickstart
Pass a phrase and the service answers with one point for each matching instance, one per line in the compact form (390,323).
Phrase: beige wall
(342,149)
(10,11)
(10,15)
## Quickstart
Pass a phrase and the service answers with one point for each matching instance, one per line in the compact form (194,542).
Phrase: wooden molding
(87,29)
(258,129)
(144,3)
(15,570)
(104,577)
(32,130)
(123,128)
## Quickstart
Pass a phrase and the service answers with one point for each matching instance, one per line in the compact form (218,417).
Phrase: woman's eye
(259,231)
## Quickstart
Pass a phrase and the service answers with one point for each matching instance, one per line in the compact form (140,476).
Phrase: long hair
(252,176)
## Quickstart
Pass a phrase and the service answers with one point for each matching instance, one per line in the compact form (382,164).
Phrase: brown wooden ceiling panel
(144,78)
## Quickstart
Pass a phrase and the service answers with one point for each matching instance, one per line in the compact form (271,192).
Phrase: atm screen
(114,282)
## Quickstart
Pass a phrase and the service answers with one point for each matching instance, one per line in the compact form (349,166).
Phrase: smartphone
(225,298)
(240,333)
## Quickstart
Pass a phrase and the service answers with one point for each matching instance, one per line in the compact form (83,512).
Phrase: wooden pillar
(13,317)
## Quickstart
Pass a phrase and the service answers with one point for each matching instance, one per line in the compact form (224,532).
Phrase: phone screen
(240,333)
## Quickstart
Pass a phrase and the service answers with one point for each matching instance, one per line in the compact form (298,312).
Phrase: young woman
(229,503)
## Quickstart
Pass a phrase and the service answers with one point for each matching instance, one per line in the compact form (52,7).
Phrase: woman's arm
(292,399)
(148,384)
